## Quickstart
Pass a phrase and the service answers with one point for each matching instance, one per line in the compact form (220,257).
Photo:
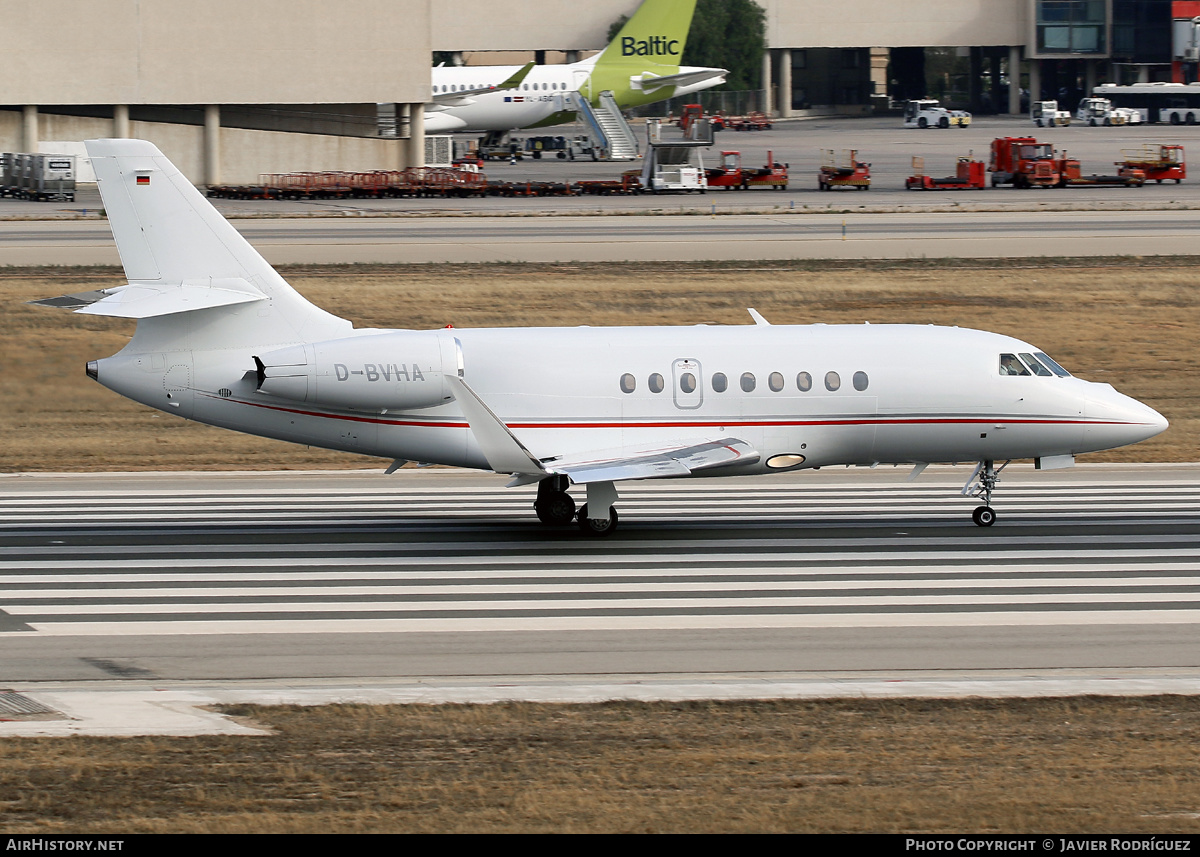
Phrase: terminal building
(235,88)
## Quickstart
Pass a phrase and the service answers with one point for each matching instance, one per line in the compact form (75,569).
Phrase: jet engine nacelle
(372,372)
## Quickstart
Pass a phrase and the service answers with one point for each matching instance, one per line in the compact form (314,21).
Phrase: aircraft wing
(648,82)
(442,100)
(673,458)
(506,454)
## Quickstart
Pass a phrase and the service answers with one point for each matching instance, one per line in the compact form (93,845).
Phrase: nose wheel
(981,484)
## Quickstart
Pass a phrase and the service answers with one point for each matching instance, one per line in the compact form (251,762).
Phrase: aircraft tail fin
(180,254)
(655,35)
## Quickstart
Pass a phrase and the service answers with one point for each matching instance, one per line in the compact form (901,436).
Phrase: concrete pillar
(768,102)
(212,144)
(29,128)
(1014,79)
(975,79)
(785,82)
(403,112)
(416,135)
(1143,74)
(1035,81)
(121,121)
(1091,75)
(572,56)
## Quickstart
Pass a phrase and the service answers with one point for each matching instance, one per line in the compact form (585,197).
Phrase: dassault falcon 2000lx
(639,66)
(221,338)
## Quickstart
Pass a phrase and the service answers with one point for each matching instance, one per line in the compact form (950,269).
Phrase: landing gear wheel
(597,528)
(556,509)
(984,516)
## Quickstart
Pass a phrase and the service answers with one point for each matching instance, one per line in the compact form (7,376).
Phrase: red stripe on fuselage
(733,422)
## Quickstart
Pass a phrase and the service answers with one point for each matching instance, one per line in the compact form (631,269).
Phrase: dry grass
(1123,322)
(1087,765)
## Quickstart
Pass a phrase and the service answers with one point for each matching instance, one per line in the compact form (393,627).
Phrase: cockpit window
(1010,365)
(1038,368)
(1054,367)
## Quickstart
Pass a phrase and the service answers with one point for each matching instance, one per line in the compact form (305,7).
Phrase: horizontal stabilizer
(679,458)
(140,300)
(648,82)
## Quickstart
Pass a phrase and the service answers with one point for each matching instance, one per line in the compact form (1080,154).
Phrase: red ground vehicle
(1155,162)
(692,112)
(1023,162)
(969,175)
(731,173)
(848,171)
(749,122)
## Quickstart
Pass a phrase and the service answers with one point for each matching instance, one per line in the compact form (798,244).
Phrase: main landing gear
(555,507)
(981,484)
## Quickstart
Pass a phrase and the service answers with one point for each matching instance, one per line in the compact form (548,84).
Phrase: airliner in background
(640,66)
(221,338)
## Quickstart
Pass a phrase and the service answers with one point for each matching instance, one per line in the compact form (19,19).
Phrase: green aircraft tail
(651,41)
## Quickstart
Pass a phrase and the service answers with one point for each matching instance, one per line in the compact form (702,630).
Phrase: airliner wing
(506,454)
(648,82)
(442,100)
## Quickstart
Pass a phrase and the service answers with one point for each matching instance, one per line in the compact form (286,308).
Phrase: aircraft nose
(1116,420)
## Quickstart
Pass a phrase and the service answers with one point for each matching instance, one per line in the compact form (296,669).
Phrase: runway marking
(448,559)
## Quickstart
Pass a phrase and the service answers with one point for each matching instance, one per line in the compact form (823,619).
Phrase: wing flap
(663,460)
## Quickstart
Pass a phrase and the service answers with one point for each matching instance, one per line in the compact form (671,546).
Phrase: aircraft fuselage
(803,396)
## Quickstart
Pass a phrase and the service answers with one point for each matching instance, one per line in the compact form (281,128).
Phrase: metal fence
(727,103)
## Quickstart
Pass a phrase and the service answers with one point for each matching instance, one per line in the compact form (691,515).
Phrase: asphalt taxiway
(800,222)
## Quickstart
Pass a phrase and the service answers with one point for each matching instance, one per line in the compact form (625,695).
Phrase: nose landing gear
(982,483)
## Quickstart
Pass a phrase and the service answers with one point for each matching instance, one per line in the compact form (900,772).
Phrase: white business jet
(640,66)
(221,338)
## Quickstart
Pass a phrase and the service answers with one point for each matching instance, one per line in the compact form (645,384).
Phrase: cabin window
(1054,367)
(628,383)
(860,381)
(804,382)
(748,382)
(775,381)
(720,383)
(1010,365)
(687,382)
(656,383)
(1035,366)
(833,381)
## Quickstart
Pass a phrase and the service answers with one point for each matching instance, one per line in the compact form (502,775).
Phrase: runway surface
(440,585)
(787,234)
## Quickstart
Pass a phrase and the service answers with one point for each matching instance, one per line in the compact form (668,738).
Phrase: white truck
(1045,114)
(1100,111)
(928,113)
